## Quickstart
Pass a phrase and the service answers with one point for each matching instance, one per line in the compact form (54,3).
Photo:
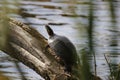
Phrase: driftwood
(28,46)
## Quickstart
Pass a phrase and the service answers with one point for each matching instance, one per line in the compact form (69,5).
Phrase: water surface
(68,18)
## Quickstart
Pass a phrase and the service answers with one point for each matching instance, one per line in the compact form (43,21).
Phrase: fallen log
(29,47)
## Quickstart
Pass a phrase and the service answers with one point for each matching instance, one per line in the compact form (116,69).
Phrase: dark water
(69,18)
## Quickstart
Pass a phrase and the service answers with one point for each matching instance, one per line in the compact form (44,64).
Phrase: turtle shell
(64,49)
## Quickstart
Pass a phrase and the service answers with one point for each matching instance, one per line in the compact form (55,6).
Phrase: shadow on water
(98,30)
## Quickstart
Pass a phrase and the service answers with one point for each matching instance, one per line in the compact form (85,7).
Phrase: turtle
(63,48)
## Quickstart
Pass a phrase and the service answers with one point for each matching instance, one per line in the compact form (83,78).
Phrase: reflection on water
(69,18)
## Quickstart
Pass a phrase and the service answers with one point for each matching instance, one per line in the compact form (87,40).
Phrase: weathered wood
(28,46)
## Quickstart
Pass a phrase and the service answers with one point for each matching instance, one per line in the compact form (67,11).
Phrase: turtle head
(49,30)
